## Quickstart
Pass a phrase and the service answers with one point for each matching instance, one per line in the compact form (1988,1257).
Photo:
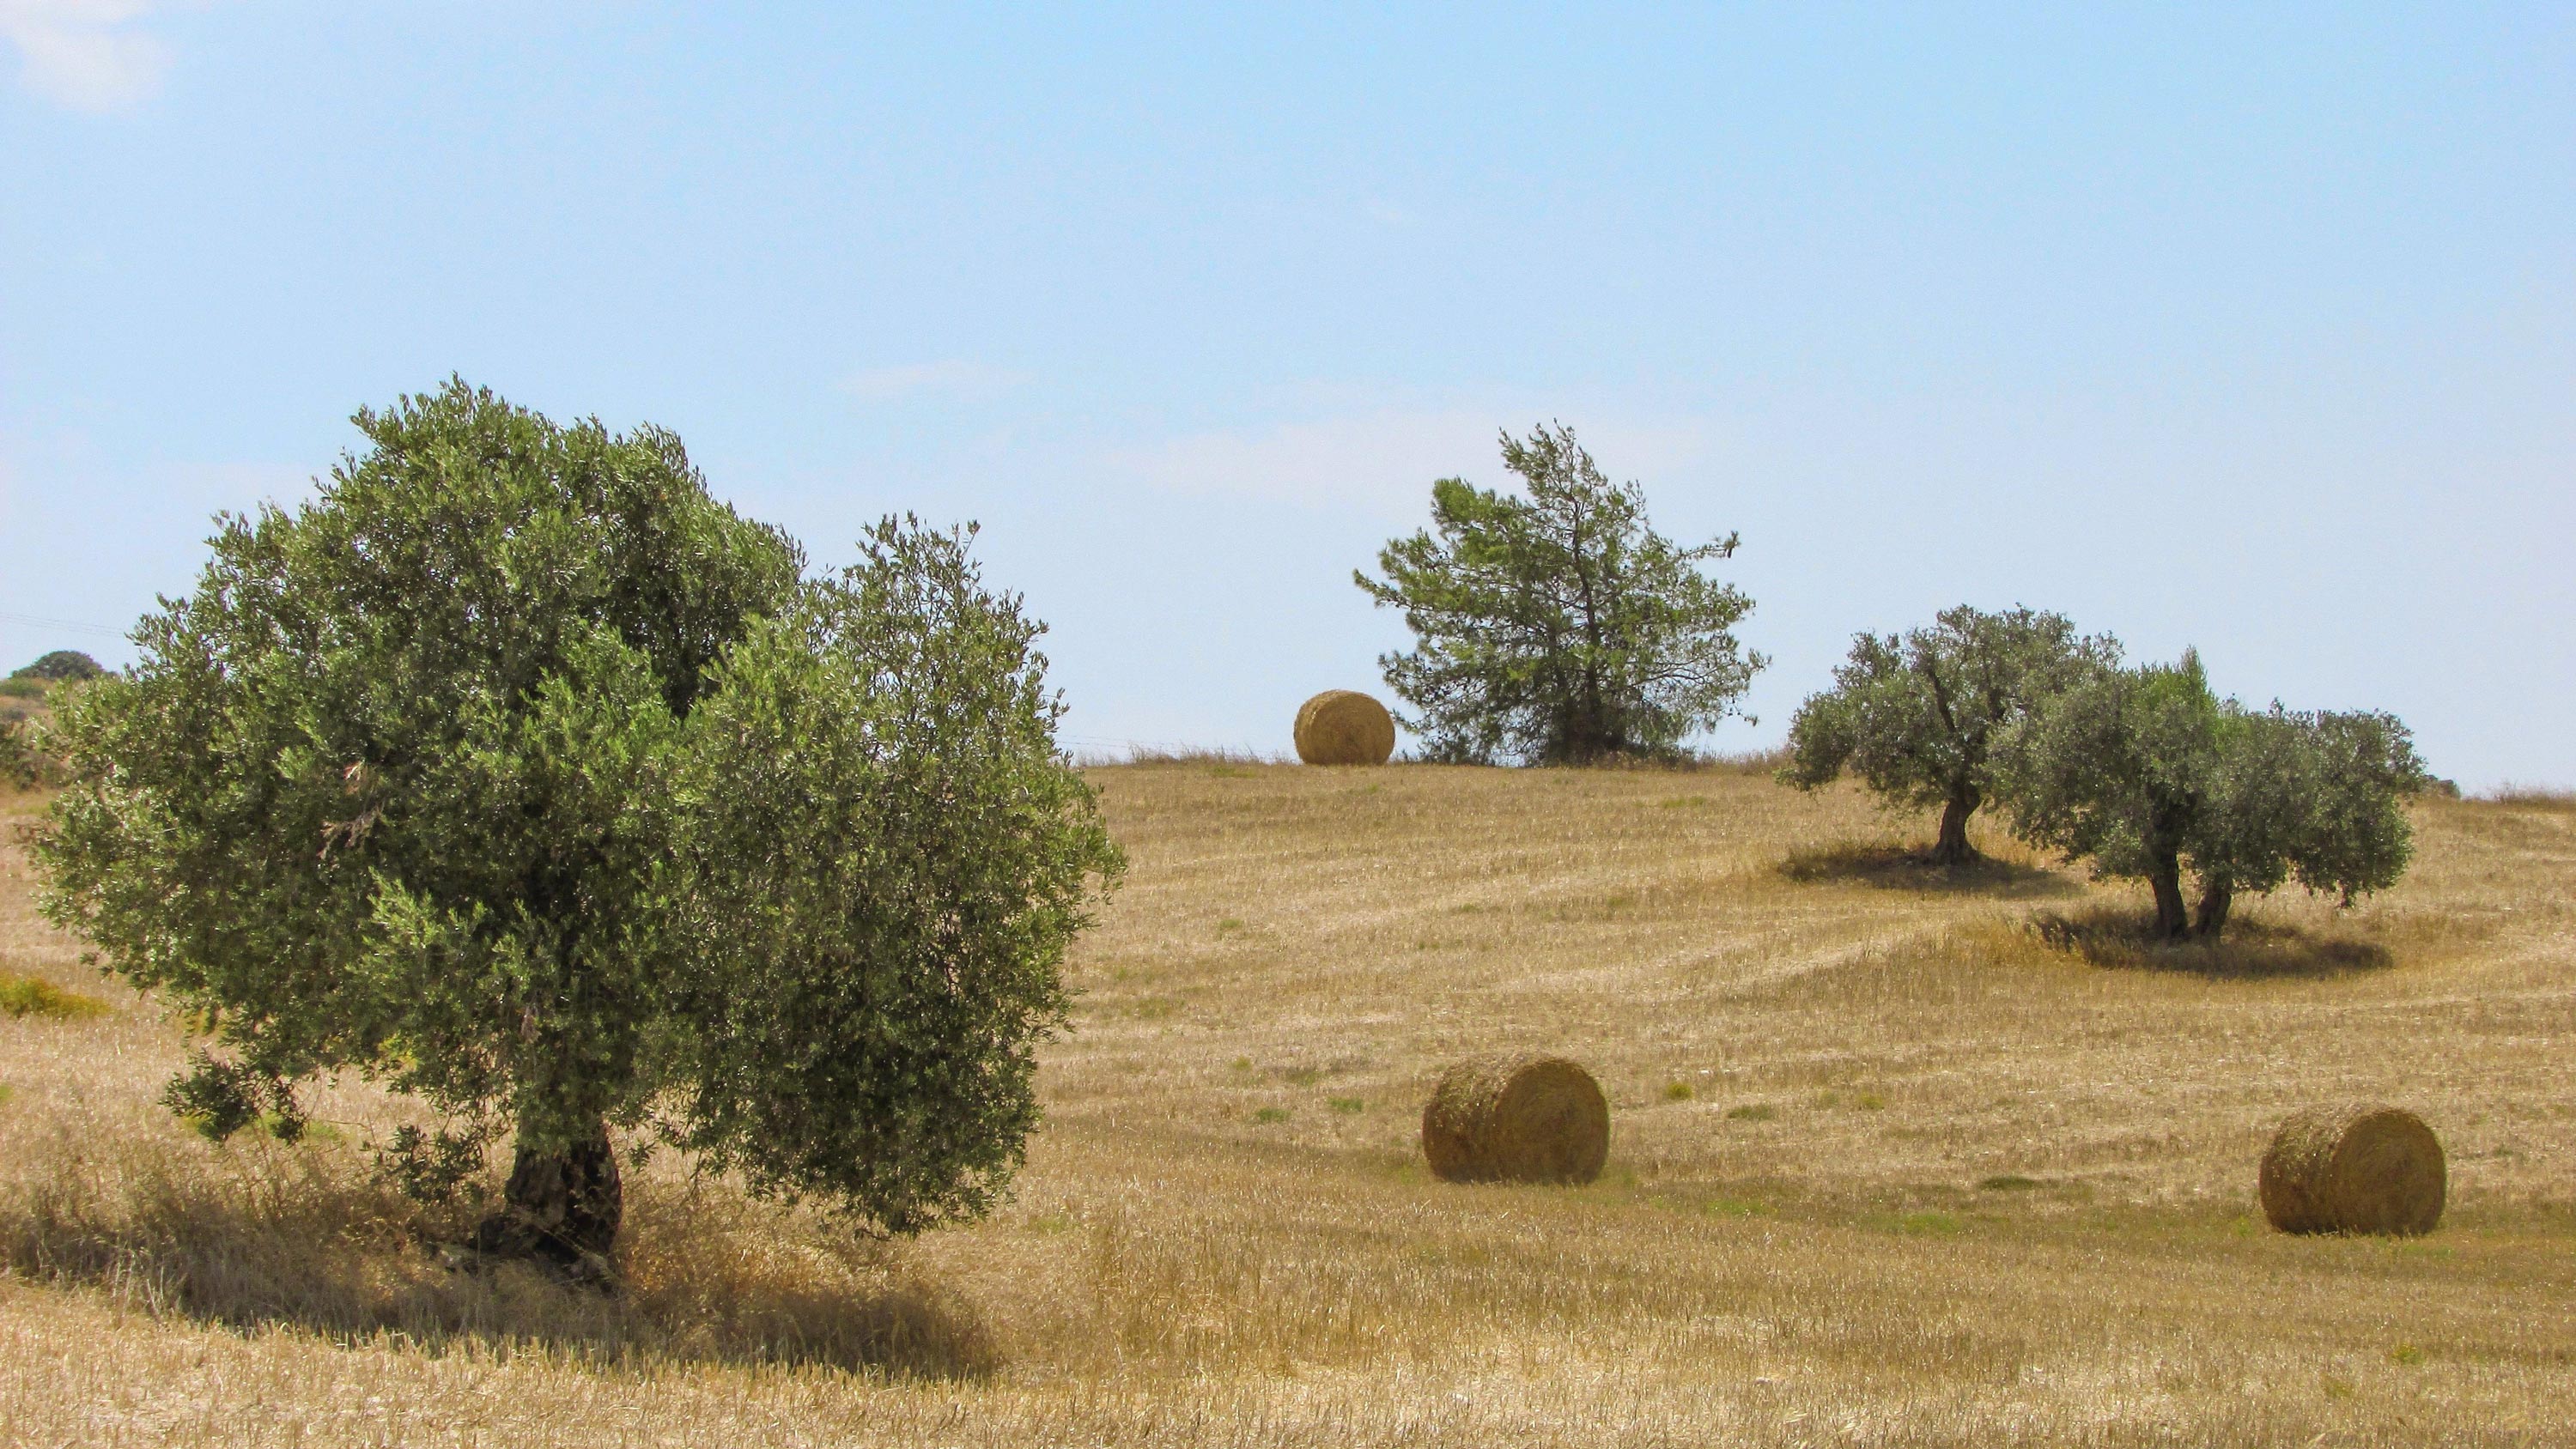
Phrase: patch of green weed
(2008,1182)
(1271,1114)
(1348,1105)
(1752,1112)
(1677,1091)
(27,996)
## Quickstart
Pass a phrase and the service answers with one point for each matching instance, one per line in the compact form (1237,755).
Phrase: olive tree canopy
(1915,716)
(2146,772)
(517,773)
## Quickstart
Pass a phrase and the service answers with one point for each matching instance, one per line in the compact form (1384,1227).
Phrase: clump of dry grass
(1902,865)
(2528,797)
(1760,764)
(2354,1168)
(1344,727)
(308,1236)
(1154,754)
(1516,1118)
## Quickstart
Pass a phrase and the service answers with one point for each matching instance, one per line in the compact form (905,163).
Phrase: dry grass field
(1896,1160)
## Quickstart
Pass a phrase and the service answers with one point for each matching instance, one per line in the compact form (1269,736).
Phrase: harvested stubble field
(1896,1160)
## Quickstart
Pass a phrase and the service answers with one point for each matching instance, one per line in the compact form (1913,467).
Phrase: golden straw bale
(1344,727)
(2354,1168)
(1516,1118)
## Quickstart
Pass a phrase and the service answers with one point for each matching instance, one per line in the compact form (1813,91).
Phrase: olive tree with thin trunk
(517,773)
(1915,716)
(1558,628)
(2147,774)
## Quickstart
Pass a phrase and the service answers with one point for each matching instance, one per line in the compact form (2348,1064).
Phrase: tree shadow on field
(2250,950)
(267,1234)
(1888,865)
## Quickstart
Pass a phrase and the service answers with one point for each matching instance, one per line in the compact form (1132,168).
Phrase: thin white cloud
(89,55)
(1383,462)
(953,377)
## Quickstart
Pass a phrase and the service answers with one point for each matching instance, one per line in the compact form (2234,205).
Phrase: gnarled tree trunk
(561,1208)
(1952,847)
(2172,924)
(2215,897)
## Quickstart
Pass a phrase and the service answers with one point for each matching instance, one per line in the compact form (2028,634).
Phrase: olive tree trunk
(1952,847)
(2165,875)
(2215,897)
(561,1207)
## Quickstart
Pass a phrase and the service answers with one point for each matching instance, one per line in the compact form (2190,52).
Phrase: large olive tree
(518,773)
(1916,716)
(1558,628)
(2146,773)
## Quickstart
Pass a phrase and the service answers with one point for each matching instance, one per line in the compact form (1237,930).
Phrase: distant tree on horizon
(1558,628)
(61,664)
(1915,716)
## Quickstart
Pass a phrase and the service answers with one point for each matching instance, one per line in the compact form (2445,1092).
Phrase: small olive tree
(518,773)
(2146,773)
(1915,716)
(1558,628)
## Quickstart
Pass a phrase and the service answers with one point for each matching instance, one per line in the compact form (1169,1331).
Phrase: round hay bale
(2354,1168)
(1344,727)
(1516,1119)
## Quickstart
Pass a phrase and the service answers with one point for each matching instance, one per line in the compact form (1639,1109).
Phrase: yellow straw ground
(1896,1159)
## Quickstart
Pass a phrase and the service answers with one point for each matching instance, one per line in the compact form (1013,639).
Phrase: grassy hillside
(1896,1160)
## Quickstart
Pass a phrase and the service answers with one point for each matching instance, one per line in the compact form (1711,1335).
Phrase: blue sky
(2250,328)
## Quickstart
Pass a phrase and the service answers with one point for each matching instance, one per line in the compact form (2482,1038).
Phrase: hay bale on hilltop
(1344,727)
(2354,1168)
(1516,1118)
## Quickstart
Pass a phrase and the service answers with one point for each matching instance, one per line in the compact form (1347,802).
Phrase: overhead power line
(74,625)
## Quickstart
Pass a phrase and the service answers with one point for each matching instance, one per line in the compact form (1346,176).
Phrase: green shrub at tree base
(516,772)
